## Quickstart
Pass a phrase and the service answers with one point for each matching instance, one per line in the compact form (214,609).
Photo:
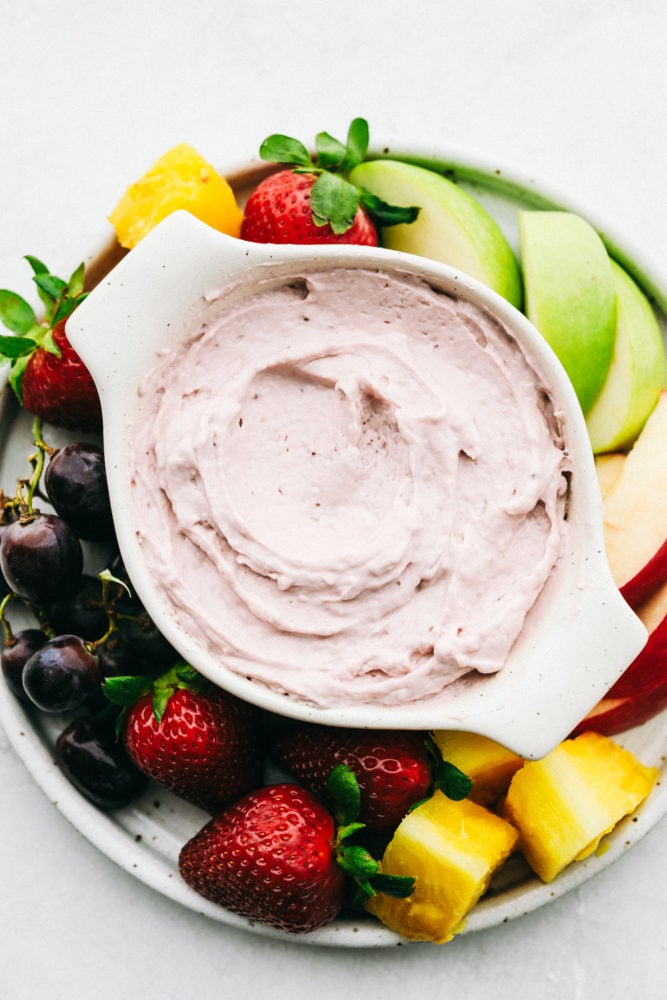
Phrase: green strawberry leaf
(453,782)
(75,283)
(344,795)
(51,285)
(330,152)
(188,677)
(49,344)
(161,698)
(16,373)
(398,886)
(283,149)
(357,143)
(15,313)
(126,690)
(36,264)
(357,862)
(334,200)
(385,214)
(347,830)
(65,308)
(16,347)
(39,267)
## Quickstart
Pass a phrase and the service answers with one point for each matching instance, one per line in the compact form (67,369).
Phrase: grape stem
(10,638)
(109,600)
(31,485)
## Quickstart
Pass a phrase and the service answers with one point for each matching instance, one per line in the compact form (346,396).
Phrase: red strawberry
(314,202)
(47,375)
(393,769)
(58,387)
(278,856)
(193,738)
(270,857)
(279,211)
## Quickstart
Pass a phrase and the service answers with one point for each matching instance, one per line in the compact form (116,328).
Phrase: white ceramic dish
(579,636)
(144,839)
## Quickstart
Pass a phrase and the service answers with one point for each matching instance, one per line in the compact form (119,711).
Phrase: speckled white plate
(145,838)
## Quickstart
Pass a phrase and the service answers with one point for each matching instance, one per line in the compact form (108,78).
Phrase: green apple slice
(570,295)
(452,227)
(636,374)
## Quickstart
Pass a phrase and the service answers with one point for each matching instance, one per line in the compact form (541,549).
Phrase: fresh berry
(281,856)
(393,769)
(270,857)
(62,674)
(18,649)
(138,632)
(314,202)
(41,557)
(82,612)
(76,484)
(200,742)
(46,373)
(96,763)
(280,211)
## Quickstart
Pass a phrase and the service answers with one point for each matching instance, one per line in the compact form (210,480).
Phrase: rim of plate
(33,745)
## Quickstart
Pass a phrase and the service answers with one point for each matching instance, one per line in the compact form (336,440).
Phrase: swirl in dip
(350,486)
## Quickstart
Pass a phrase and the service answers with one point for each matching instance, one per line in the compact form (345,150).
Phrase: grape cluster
(87,627)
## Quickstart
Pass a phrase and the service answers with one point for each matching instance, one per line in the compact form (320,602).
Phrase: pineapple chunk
(565,803)
(489,765)
(180,179)
(452,849)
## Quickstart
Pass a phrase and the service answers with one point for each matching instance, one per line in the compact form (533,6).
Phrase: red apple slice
(641,691)
(635,513)
(615,715)
(648,671)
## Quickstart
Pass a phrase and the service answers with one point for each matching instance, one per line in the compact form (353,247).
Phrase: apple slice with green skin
(636,373)
(635,513)
(570,295)
(452,227)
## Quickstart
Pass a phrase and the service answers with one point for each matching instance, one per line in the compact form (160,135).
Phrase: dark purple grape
(7,517)
(41,558)
(82,613)
(117,659)
(15,656)
(140,635)
(76,484)
(62,675)
(96,763)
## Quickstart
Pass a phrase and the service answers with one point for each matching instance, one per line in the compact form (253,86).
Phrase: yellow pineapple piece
(489,765)
(181,178)
(452,849)
(565,803)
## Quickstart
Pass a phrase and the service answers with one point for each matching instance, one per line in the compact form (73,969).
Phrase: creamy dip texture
(350,487)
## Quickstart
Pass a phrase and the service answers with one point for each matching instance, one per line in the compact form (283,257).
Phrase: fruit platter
(341,835)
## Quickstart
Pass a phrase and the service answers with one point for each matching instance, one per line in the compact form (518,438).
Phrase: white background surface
(574,93)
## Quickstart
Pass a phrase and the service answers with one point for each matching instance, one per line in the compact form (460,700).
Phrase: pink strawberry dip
(350,487)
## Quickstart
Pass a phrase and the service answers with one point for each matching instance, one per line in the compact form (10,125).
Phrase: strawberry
(278,856)
(195,739)
(315,202)
(270,858)
(394,769)
(46,373)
